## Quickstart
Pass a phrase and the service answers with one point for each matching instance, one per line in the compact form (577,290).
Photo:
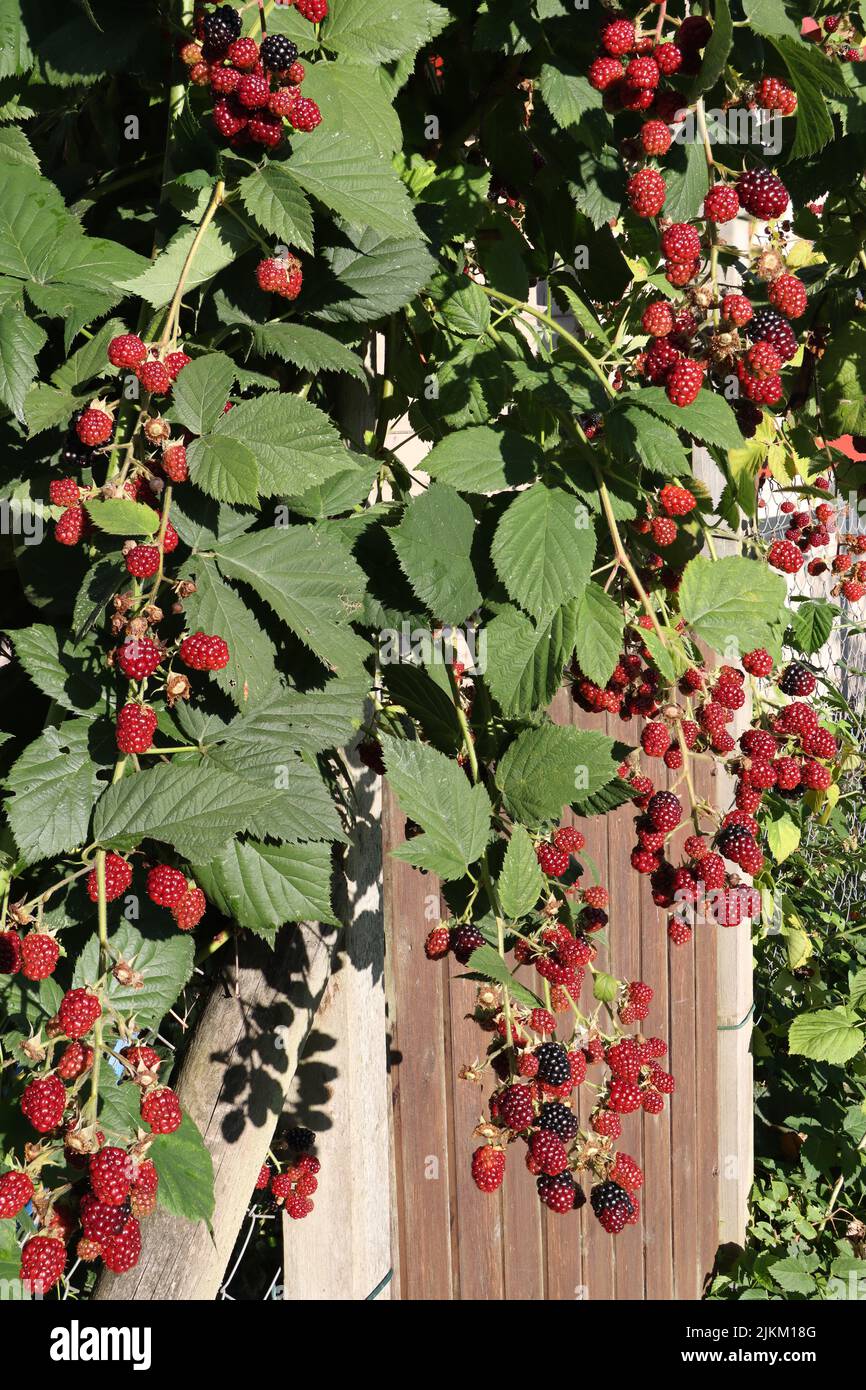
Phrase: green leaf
(200,393)
(292,442)
(709,419)
(842,371)
(486,961)
(857,988)
(520,882)
(120,516)
(598,634)
(827,1035)
(543,549)
(770,18)
(567,94)
(548,768)
(56,668)
(353,99)
(196,809)
(435,793)
(812,623)
(309,579)
(352,179)
(20,342)
(687,181)
(791,1275)
(103,579)
(433,544)
(307,348)
(376,274)
(224,240)
(309,722)
(185,1168)
(54,787)
(481,459)
(273,198)
(783,837)
(251,672)
(380,31)
(525,663)
(604,987)
(716,52)
(465,308)
(225,469)
(635,433)
(733,603)
(813,76)
(165,964)
(261,886)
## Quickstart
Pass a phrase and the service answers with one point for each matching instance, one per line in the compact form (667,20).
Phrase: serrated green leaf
(54,786)
(215,606)
(567,94)
(353,99)
(813,77)
(185,1168)
(57,669)
(273,197)
(293,443)
(196,809)
(165,965)
(520,881)
(543,549)
(635,433)
(487,962)
(826,1035)
(548,768)
(21,340)
(481,459)
(225,469)
(307,348)
(376,274)
(120,516)
(524,662)
(435,793)
(716,52)
(687,180)
(200,393)
(783,837)
(598,634)
(733,603)
(433,544)
(355,181)
(709,419)
(261,886)
(380,31)
(812,623)
(224,240)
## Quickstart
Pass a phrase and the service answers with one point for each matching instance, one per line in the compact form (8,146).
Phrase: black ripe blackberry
(612,1205)
(559,1120)
(277,52)
(221,26)
(553,1066)
(797,680)
(768,326)
(300,1140)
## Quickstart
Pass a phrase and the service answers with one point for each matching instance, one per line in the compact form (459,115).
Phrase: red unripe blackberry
(282,276)
(135,728)
(16,1190)
(665,811)
(762,774)
(737,308)
(820,744)
(660,358)
(296,73)
(669,58)
(94,427)
(438,943)
(142,562)
(43,1102)
(815,777)
(785,556)
(189,911)
(788,295)
(127,350)
(120,1253)
(606,1122)
(655,739)
(174,363)
(655,137)
(643,73)
(773,95)
(282,100)
(265,129)
(787,774)
(679,273)
(735,842)
(694,32)
(229,118)
(488,1168)
(542,1021)
(244,53)
(624,1059)
(763,360)
(313,10)
(118,877)
(618,36)
(253,91)
(676,501)
(154,377)
(174,464)
(145,1183)
(465,939)
(569,838)
(633,98)
(263,1181)
(63,492)
(202,652)
(79,1010)
(560,1193)
(224,80)
(553,861)
(721,203)
(160,1108)
(758,662)
(684,382)
(853,590)
(40,952)
(624,1097)
(305,114)
(664,530)
(548,1153)
(627,1173)
(110,1172)
(604,72)
(43,1260)
(658,319)
(681,242)
(75,1059)
(515,1107)
(762,194)
(138,658)
(646,192)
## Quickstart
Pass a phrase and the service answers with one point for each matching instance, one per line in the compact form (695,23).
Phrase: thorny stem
(102,930)
(169,332)
(623,558)
(160,544)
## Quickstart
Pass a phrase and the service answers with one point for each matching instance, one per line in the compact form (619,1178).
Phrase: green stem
(556,327)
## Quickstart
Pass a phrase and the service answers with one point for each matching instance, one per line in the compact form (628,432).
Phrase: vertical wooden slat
(419,1086)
